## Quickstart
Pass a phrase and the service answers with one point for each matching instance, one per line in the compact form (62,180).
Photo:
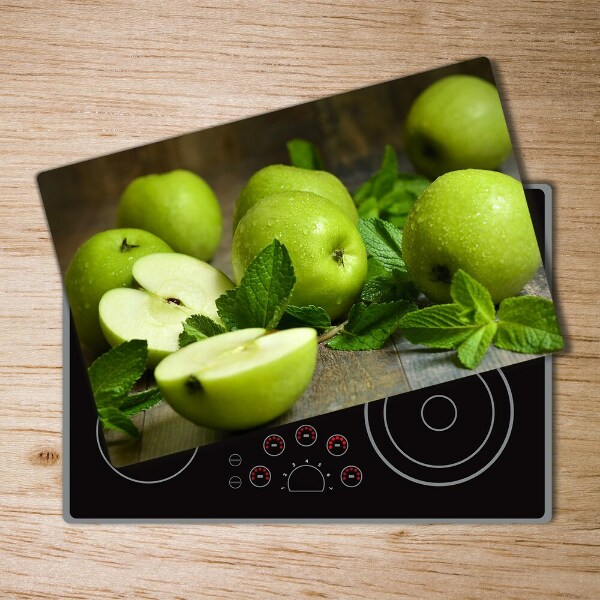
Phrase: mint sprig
(264,292)
(304,154)
(528,324)
(370,326)
(388,194)
(198,327)
(112,375)
(470,324)
(383,242)
(312,316)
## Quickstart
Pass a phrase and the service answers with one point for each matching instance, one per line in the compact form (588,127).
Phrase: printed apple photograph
(300,262)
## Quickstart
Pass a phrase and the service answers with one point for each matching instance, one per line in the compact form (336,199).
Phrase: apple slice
(174,287)
(239,379)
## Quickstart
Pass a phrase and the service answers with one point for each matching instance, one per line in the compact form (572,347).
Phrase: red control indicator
(306,435)
(351,476)
(260,476)
(274,445)
(337,445)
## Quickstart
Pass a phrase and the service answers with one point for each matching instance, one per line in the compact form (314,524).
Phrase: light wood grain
(88,78)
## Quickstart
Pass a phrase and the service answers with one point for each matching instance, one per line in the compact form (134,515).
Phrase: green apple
(102,263)
(239,379)
(179,207)
(473,220)
(456,123)
(173,287)
(283,178)
(328,254)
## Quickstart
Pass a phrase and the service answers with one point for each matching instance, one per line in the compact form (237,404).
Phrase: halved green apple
(173,287)
(239,379)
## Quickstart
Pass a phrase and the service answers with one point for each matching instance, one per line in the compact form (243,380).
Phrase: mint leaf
(442,326)
(369,209)
(473,297)
(313,316)
(382,181)
(392,285)
(528,324)
(112,418)
(135,403)
(389,195)
(304,154)
(383,242)
(369,327)
(226,309)
(395,204)
(198,327)
(473,349)
(265,289)
(113,374)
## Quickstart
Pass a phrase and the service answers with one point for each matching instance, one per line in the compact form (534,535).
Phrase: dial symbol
(260,476)
(351,476)
(274,445)
(337,445)
(306,435)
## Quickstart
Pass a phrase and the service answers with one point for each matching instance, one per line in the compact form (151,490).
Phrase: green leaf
(265,289)
(304,154)
(392,285)
(473,297)
(113,374)
(528,324)
(369,327)
(313,316)
(383,242)
(442,326)
(382,181)
(369,209)
(198,327)
(473,349)
(135,403)
(412,184)
(226,308)
(112,418)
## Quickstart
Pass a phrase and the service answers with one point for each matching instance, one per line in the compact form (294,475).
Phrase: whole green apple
(283,178)
(327,252)
(473,220)
(239,379)
(102,263)
(179,207)
(456,123)
(173,287)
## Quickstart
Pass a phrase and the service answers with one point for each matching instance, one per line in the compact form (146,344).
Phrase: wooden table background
(81,79)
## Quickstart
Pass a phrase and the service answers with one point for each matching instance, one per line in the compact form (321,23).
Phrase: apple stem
(338,256)
(125,246)
(331,333)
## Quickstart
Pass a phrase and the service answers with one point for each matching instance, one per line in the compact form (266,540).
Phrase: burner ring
(459,480)
(439,428)
(448,465)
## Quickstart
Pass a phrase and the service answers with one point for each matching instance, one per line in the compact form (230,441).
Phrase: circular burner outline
(189,462)
(458,481)
(455,464)
(439,428)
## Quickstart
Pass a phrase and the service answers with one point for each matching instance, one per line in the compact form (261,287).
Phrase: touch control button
(235,482)
(351,476)
(306,435)
(274,445)
(337,445)
(235,460)
(260,476)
